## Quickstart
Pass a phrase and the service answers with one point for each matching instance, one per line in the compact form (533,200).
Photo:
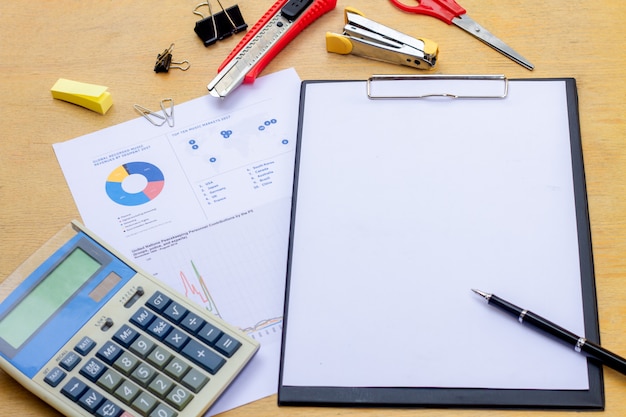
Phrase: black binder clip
(216,27)
(164,61)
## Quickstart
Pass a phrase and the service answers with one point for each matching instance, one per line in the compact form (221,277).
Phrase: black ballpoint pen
(580,344)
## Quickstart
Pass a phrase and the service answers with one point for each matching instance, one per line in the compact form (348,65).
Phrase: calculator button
(125,336)
(69,361)
(142,346)
(109,352)
(227,345)
(209,334)
(159,328)
(179,397)
(175,312)
(176,339)
(176,368)
(158,302)
(161,386)
(126,363)
(93,369)
(108,409)
(159,357)
(203,356)
(195,380)
(144,403)
(74,389)
(163,411)
(110,380)
(143,374)
(142,318)
(127,392)
(192,323)
(91,400)
(84,346)
(54,377)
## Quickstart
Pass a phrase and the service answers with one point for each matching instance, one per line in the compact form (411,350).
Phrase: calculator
(92,334)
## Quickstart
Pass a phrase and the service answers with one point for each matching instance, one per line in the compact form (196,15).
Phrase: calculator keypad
(154,365)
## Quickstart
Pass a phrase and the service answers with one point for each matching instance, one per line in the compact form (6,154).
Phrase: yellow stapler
(366,38)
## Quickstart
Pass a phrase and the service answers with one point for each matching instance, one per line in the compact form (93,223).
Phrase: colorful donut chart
(153,175)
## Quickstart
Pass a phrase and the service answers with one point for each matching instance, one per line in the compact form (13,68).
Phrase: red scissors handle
(445,10)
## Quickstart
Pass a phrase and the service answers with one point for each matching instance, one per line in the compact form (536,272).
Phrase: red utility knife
(278,26)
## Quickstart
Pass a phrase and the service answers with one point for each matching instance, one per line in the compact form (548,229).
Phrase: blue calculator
(92,334)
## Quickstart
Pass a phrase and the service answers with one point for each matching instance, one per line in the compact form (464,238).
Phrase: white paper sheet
(402,208)
(203,206)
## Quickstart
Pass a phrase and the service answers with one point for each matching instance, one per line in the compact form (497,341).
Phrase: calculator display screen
(47,297)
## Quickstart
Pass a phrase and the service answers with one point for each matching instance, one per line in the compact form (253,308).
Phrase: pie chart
(134,183)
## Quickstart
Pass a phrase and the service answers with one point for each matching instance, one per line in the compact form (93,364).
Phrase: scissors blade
(470,26)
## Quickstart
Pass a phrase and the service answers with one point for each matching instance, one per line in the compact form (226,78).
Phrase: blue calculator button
(84,346)
(142,318)
(74,389)
(175,312)
(203,356)
(93,369)
(159,328)
(176,339)
(109,352)
(91,400)
(125,336)
(227,345)
(192,323)
(54,377)
(69,361)
(209,334)
(108,409)
(158,302)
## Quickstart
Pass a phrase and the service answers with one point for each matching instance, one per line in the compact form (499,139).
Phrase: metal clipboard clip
(425,86)
(366,38)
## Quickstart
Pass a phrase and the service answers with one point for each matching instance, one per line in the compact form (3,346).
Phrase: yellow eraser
(91,96)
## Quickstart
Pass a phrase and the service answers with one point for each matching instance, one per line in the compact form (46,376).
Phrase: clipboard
(400,207)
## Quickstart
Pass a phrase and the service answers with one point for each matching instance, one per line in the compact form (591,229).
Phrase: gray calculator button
(84,346)
(93,369)
(143,374)
(110,380)
(144,403)
(54,377)
(127,392)
(142,346)
(176,368)
(163,411)
(195,380)
(69,361)
(161,386)
(159,357)
(126,363)
(202,355)
(179,397)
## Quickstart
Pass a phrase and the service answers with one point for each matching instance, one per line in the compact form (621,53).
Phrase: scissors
(452,13)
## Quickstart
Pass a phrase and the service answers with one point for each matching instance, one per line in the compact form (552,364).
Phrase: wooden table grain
(115,43)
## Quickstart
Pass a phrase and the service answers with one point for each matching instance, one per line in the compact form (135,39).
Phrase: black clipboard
(503,149)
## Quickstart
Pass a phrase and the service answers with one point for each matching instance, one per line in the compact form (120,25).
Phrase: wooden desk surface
(115,43)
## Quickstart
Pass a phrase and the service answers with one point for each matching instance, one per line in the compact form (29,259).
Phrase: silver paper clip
(366,38)
(155,118)
(426,86)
